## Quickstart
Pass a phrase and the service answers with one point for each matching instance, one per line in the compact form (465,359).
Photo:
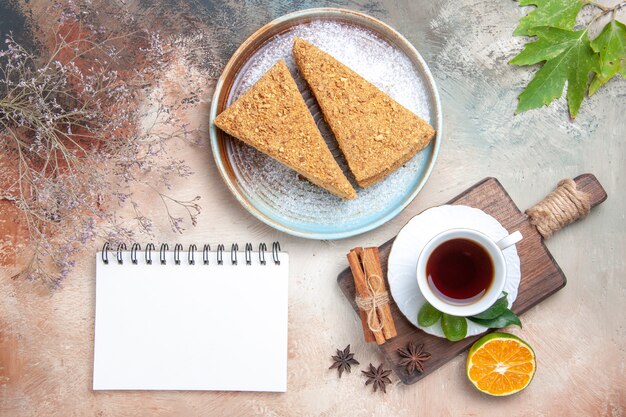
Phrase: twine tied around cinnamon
(371,295)
(563,206)
(370,304)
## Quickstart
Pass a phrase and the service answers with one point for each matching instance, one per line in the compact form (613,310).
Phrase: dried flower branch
(74,141)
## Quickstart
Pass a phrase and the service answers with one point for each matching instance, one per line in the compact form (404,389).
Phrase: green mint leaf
(495,310)
(568,57)
(454,328)
(428,315)
(556,13)
(503,320)
(611,44)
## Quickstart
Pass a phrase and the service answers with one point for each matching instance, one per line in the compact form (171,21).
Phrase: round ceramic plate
(413,237)
(276,194)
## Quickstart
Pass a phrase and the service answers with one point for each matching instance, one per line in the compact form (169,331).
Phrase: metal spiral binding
(205,254)
(275,250)
(233,253)
(220,254)
(105,253)
(148,254)
(190,254)
(177,248)
(262,250)
(164,248)
(120,248)
(133,252)
(248,253)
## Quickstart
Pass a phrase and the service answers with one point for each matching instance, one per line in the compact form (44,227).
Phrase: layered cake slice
(375,133)
(273,117)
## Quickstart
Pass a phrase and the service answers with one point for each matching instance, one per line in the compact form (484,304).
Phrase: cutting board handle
(569,202)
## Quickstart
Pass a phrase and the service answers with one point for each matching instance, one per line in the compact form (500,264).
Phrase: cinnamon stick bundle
(371,295)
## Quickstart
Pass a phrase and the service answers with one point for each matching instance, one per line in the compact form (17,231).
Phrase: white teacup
(493,292)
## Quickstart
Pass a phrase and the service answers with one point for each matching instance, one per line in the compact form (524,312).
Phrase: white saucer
(412,238)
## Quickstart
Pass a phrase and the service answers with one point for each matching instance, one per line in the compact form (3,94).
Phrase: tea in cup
(462,272)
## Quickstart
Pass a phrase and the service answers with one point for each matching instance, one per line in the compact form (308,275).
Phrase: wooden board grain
(541,275)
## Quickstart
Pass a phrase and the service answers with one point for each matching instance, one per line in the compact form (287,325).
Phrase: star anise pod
(343,360)
(378,377)
(413,357)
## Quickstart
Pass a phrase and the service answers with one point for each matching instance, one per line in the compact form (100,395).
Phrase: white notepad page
(191,327)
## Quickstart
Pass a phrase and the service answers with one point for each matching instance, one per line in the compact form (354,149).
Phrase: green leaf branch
(566,54)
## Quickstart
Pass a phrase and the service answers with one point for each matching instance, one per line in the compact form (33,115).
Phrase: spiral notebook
(185,319)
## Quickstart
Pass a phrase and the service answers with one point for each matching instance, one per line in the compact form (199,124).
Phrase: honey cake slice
(375,133)
(273,118)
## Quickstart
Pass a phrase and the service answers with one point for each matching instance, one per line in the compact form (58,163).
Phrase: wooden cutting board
(541,275)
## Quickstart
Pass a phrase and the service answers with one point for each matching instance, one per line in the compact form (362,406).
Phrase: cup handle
(510,240)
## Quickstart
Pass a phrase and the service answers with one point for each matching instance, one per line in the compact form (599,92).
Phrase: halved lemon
(500,364)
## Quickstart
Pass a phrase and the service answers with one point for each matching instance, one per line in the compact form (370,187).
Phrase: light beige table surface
(46,339)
